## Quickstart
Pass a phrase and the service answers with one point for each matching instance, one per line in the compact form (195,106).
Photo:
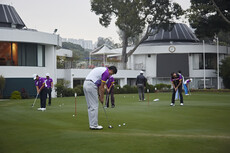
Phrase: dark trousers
(49,90)
(111,92)
(43,96)
(141,91)
(180,93)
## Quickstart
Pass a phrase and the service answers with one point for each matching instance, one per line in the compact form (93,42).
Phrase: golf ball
(73,115)
(119,125)
(124,124)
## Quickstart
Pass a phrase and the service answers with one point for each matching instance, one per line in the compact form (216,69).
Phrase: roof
(9,17)
(179,33)
(103,50)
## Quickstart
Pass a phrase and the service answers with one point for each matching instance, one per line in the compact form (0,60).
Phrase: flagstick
(75,105)
(148,95)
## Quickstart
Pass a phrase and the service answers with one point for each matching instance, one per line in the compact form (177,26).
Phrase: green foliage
(225,72)
(68,92)
(150,87)
(2,85)
(163,86)
(203,17)
(132,16)
(129,89)
(79,90)
(79,53)
(15,95)
(61,88)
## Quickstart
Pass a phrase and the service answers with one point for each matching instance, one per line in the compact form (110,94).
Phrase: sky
(72,18)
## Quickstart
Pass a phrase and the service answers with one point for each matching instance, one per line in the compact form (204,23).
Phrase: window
(8,54)
(31,54)
(21,54)
(210,61)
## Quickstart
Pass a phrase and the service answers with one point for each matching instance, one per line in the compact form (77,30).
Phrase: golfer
(176,80)
(110,90)
(93,89)
(179,72)
(49,84)
(141,83)
(41,90)
(186,86)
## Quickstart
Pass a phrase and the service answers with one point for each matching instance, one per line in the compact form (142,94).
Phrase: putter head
(110,126)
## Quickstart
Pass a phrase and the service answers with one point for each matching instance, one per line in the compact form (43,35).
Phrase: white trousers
(91,96)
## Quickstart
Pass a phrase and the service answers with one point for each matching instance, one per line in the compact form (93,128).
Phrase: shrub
(15,95)
(79,90)
(117,89)
(2,85)
(150,87)
(162,86)
(61,87)
(68,92)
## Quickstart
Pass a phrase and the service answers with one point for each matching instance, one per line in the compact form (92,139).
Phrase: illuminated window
(22,54)
(8,54)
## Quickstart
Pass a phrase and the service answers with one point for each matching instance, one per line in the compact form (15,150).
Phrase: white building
(24,52)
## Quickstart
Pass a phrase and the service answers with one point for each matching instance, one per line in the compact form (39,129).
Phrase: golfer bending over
(93,88)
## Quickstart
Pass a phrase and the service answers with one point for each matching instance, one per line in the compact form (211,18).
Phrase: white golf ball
(73,115)
(124,124)
(119,125)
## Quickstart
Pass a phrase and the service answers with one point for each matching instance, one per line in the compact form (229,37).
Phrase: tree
(209,17)
(2,85)
(105,41)
(132,16)
(225,72)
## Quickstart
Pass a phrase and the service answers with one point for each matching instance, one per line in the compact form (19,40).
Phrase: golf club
(110,126)
(35,100)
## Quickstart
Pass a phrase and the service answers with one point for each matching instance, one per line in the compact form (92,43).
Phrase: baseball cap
(47,74)
(34,76)
(141,71)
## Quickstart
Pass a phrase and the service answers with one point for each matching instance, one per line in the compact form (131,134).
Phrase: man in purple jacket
(49,84)
(110,88)
(176,80)
(41,90)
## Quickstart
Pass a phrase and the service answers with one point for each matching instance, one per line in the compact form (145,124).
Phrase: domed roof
(9,17)
(179,33)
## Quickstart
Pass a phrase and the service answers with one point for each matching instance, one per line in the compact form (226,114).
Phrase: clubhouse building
(24,52)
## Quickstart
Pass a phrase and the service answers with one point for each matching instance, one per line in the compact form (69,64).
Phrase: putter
(110,126)
(35,100)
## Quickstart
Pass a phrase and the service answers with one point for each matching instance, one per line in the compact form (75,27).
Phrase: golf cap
(191,80)
(34,76)
(47,74)
(141,71)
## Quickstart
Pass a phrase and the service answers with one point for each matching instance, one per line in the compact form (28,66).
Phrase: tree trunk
(148,31)
(221,14)
(124,58)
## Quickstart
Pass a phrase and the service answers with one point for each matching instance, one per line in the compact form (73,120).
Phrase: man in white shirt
(93,88)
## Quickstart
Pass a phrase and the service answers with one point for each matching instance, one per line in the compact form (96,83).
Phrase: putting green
(200,126)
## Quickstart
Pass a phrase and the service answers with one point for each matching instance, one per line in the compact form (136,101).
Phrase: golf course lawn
(202,125)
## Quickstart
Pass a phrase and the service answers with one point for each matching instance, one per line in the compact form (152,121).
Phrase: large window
(210,61)
(8,54)
(22,54)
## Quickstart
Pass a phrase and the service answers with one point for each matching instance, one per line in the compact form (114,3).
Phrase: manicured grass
(202,125)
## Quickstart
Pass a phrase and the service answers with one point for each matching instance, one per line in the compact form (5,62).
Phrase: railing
(86,65)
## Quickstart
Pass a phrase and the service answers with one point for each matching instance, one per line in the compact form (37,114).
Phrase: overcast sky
(72,18)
